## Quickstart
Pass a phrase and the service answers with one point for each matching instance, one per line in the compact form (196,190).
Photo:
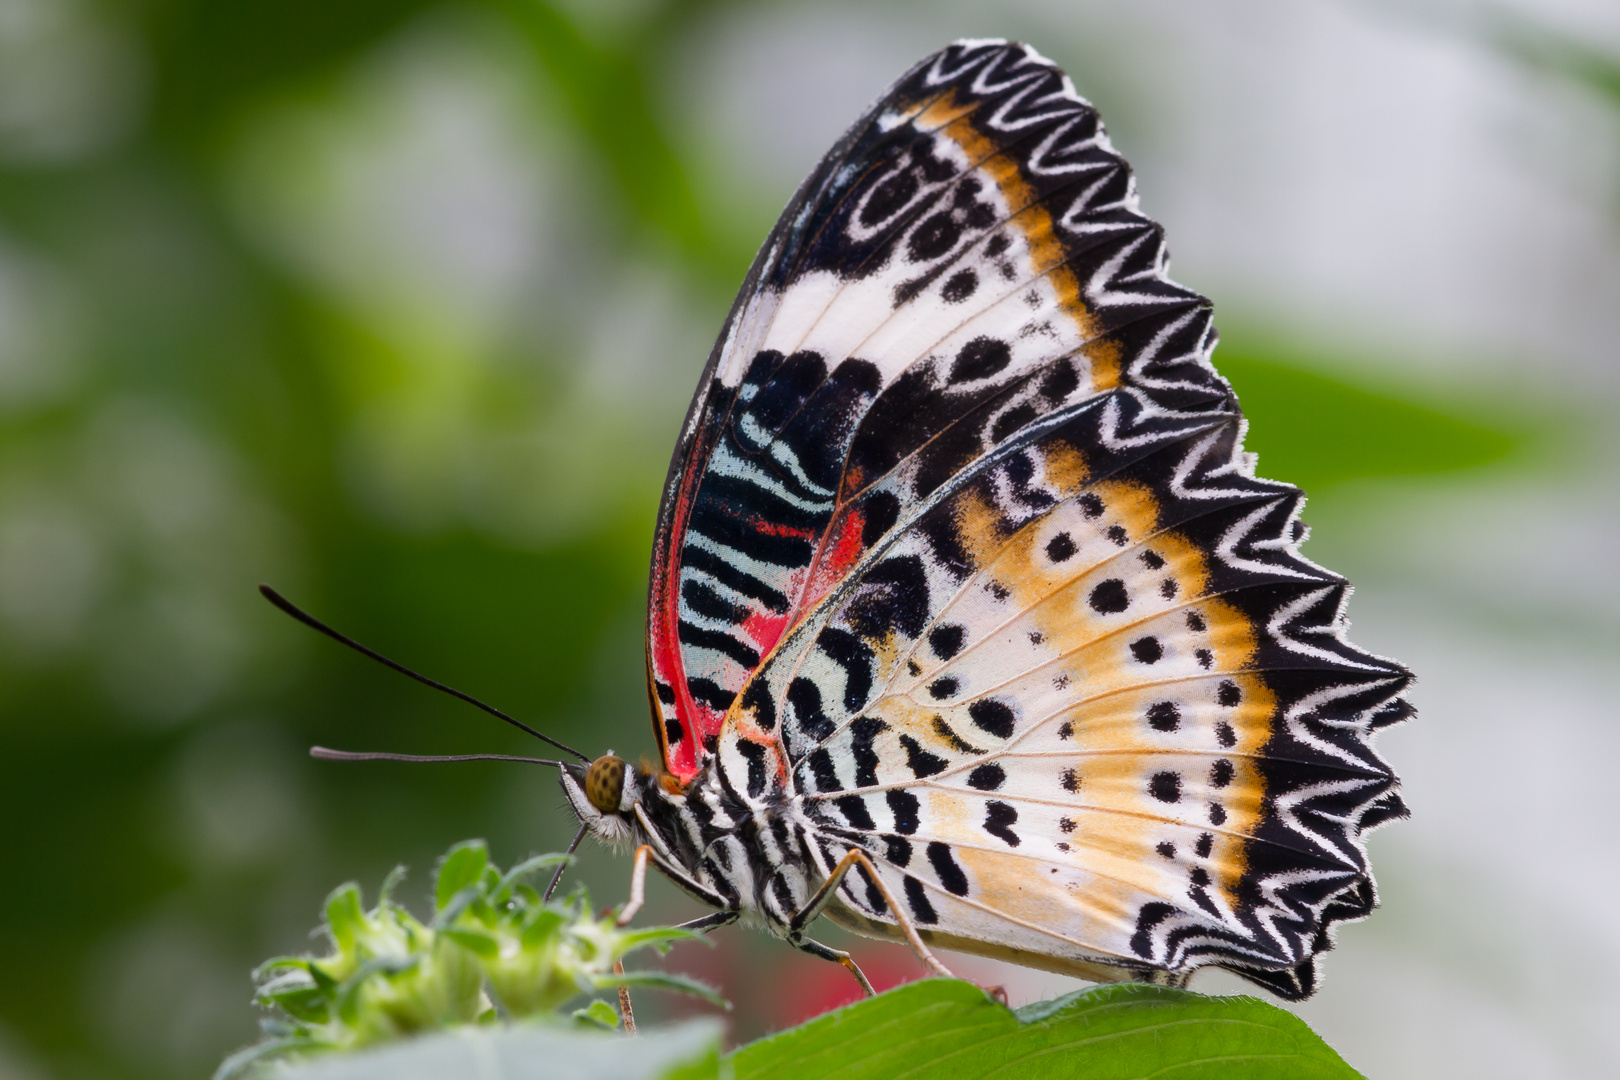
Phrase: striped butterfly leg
(638,893)
(712,921)
(813,907)
(827,952)
(638,886)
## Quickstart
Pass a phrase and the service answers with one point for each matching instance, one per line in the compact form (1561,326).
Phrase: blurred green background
(397,304)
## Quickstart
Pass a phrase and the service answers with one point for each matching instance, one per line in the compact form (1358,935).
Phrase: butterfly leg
(638,886)
(638,893)
(712,921)
(818,901)
(827,952)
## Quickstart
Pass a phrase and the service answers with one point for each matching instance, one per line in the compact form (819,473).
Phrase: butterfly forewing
(961,528)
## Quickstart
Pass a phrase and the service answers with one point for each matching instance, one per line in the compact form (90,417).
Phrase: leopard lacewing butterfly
(969,623)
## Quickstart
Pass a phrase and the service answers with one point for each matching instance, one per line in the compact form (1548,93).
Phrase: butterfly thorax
(737,833)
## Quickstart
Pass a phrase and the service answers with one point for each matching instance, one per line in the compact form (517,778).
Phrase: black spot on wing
(960,285)
(1109,597)
(892,194)
(757,697)
(952,739)
(992,716)
(822,768)
(1165,786)
(853,807)
(1147,650)
(852,654)
(862,734)
(754,754)
(987,777)
(893,596)
(979,359)
(905,808)
(805,699)
(917,900)
(945,865)
(921,762)
(999,818)
(1164,716)
(946,640)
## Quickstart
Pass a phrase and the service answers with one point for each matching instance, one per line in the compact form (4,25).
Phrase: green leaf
(463,866)
(529,866)
(306,1003)
(344,915)
(350,989)
(479,942)
(663,980)
(659,936)
(599,1014)
(390,883)
(1316,430)
(944,1029)
(546,922)
(451,909)
(275,963)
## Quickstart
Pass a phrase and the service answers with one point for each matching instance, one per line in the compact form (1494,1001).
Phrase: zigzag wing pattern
(967,261)
(1089,709)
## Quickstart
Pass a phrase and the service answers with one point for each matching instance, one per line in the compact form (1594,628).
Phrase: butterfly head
(602,796)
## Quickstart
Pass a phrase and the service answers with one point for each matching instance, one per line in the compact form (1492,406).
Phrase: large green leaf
(943,1029)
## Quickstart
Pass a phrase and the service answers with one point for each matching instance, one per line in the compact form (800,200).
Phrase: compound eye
(604,783)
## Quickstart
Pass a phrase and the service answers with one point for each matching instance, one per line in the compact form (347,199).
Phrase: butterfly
(969,624)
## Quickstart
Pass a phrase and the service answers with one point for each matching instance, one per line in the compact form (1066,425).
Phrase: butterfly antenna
(350,755)
(315,624)
(573,845)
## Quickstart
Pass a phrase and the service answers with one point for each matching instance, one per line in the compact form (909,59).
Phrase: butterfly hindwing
(1126,731)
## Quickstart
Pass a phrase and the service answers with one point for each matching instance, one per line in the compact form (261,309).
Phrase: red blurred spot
(810,987)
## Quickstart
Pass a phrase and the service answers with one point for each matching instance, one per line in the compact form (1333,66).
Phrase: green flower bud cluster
(494,950)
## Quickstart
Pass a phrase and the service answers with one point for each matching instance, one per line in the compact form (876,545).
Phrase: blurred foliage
(1317,430)
(397,306)
(495,951)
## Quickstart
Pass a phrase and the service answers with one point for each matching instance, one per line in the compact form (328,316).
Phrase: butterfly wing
(967,259)
(1034,636)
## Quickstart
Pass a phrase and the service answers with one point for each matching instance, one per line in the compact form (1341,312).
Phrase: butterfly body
(969,622)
